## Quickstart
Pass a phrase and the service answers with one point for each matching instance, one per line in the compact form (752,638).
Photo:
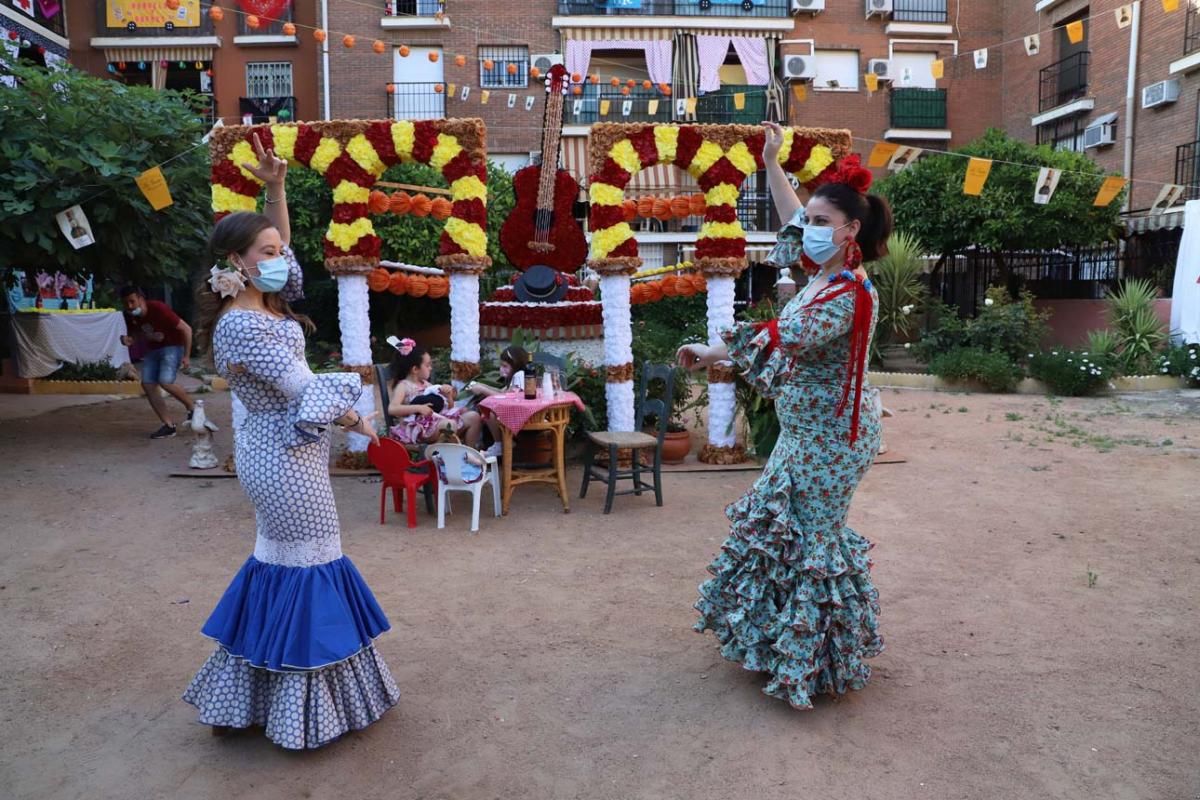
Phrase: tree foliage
(928,200)
(68,138)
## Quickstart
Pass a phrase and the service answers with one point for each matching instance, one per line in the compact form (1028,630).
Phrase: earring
(854,255)
(810,267)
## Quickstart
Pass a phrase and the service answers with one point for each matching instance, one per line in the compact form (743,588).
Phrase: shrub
(946,330)
(1182,361)
(87,371)
(1140,333)
(1072,373)
(1003,325)
(897,279)
(1103,343)
(995,370)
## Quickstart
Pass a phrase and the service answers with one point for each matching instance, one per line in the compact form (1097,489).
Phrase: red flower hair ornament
(848,170)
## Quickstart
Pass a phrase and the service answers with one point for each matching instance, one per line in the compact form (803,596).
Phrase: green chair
(636,440)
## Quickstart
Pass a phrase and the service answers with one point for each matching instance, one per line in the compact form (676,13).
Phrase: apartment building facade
(35,30)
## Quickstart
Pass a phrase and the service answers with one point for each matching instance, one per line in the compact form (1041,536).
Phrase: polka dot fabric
(282,453)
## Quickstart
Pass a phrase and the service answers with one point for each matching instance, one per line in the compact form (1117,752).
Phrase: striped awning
(1163,221)
(616,34)
(659,179)
(167,52)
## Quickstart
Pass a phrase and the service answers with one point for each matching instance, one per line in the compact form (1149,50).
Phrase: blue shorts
(161,365)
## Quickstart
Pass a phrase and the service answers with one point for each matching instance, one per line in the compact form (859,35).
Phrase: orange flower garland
(685,284)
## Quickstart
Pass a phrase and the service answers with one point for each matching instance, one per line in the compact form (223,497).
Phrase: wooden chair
(636,440)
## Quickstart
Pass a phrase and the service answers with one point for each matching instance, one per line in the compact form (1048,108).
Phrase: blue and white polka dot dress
(294,629)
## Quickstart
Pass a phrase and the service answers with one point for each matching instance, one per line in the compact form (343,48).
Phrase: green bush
(1139,332)
(86,371)
(1181,361)
(902,295)
(995,370)
(1072,373)
(1003,325)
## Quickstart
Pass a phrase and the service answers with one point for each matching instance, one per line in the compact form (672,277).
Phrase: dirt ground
(1037,564)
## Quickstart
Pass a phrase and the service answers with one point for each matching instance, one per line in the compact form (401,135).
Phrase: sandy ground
(1037,564)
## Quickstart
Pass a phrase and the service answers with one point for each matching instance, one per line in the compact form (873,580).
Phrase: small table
(516,414)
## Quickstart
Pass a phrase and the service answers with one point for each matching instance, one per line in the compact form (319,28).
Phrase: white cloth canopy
(45,341)
(1185,297)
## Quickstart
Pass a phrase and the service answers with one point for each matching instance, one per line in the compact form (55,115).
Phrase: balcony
(926,11)
(414,14)
(1191,30)
(779,9)
(922,109)
(263,109)
(1063,82)
(1187,169)
(268,32)
(159,23)
(715,107)
(415,101)
(718,107)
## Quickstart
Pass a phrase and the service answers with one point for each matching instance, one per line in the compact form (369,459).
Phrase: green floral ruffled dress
(791,593)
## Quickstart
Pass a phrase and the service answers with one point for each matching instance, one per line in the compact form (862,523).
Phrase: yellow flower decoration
(626,157)
(609,239)
(708,154)
(666,139)
(820,158)
(469,188)
(682,266)
(284,137)
(243,153)
(225,199)
(723,194)
(785,150)
(325,154)
(346,234)
(722,230)
(467,235)
(363,153)
(403,139)
(350,192)
(444,151)
(739,155)
(603,194)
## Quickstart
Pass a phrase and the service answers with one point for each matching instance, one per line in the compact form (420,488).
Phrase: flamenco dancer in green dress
(791,593)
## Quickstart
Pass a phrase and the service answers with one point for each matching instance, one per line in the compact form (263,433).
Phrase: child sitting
(425,410)
(513,361)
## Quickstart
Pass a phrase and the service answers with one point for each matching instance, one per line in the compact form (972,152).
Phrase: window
(837,70)
(913,70)
(509,67)
(269,79)
(1065,134)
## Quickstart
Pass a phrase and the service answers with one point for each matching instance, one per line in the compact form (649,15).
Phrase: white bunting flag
(626,108)
(904,156)
(1047,182)
(512,101)
(680,107)
(529,101)
(577,107)
(981,58)
(466,92)
(1033,44)
(1168,196)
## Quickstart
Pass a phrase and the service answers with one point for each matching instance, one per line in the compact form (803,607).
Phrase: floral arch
(719,157)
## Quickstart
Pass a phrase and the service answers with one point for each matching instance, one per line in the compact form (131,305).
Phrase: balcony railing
(273,27)
(1063,81)
(721,106)
(1191,30)
(919,11)
(918,108)
(263,108)
(415,101)
(1187,169)
(49,14)
(412,8)
(676,8)
(133,28)
(715,107)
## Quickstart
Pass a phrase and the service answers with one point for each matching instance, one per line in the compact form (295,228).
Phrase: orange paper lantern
(665,88)
(378,46)
(697,203)
(669,288)
(460,61)
(681,206)
(535,73)
(646,84)
(511,69)
(421,206)
(576,90)
(216,13)
(418,285)
(438,88)
(379,279)
(439,287)
(629,210)
(401,203)
(631,83)
(433,56)
(625,90)
(440,208)
(488,64)
(347,41)
(398,283)
(252,21)
(289,29)
(378,203)
(593,78)
(645,206)
(662,208)
(391,88)
(576,77)
(319,35)
(615,81)
(404,51)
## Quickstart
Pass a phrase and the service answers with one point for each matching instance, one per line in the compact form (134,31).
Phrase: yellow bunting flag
(652,107)
(1111,187)
(882,153)
(451,89)
(153,184)
(691,105)
(800,92)
(977,175)
(604,106)
(739,100)
(483,96)
(938,69)
(1075,31)
(872,82)
(1170,5)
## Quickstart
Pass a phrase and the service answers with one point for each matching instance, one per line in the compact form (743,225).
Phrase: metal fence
(412,8)
(676,8)
(1063,81)
(1191,30)
(919,11)
(1187,169)
(918,108)
(594,95)
(416,101)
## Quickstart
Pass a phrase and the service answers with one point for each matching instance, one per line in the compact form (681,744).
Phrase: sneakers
(497,450)
(165,432)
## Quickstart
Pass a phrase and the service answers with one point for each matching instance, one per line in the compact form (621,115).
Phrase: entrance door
(413,91)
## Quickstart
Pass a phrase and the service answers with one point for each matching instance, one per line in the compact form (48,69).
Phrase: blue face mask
(818,242)
(272,274)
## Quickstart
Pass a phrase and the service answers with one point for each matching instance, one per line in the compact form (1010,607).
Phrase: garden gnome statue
(202,448)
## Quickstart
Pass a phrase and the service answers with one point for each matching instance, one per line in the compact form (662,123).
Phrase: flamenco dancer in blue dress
(791,593)
(295,629)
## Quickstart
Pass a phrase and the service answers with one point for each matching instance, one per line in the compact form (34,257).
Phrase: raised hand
(270,169)
(772,142)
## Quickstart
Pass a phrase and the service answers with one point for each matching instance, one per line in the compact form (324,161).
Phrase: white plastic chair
(449,460)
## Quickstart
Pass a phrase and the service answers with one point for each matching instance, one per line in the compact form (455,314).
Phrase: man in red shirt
(168,341)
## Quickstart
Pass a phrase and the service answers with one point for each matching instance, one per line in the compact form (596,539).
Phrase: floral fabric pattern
(791,593)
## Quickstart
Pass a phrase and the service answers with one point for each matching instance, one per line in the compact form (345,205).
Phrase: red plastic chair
(400,472)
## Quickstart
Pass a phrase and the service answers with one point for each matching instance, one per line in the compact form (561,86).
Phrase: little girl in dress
(425,410)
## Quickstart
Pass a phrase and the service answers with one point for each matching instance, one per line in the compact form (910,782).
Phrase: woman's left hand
(366,426)
(270,169)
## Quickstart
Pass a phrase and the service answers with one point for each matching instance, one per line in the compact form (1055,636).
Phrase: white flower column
(722,447)
(618,351)
(354,322)
(464,326)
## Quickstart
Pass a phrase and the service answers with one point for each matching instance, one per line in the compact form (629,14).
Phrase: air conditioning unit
(1160,94)
(881,7)
(881,68)
(808,6)
(544,61)
(1099,135)
(798,68)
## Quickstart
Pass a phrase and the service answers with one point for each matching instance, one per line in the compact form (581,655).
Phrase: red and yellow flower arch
(351,156)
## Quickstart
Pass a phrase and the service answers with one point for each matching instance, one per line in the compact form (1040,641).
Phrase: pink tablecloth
(513,410)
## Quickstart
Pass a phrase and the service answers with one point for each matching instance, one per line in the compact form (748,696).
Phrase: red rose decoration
(861,179)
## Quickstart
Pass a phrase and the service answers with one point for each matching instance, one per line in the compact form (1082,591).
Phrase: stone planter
(86,387)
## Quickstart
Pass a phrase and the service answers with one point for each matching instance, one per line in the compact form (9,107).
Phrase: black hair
(518,357)
(872,212)
(128,290)
(402,364)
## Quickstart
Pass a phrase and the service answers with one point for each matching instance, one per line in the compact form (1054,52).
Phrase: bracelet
(357,419)
(267,199)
